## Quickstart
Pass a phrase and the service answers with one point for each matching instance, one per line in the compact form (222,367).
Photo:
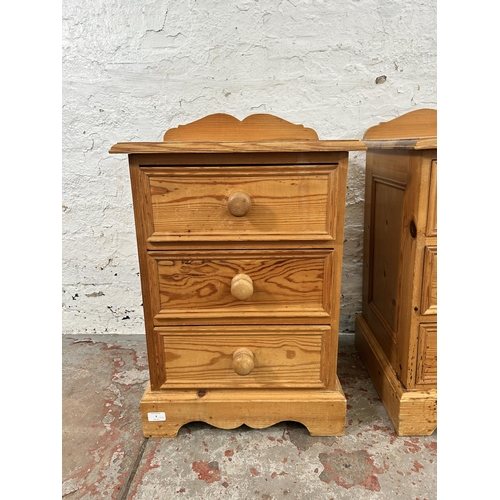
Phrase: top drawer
(179,204)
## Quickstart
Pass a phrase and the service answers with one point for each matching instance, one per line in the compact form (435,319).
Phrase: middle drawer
(250,286)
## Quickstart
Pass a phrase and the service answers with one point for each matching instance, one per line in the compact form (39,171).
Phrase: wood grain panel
(284,357)
(198,284)
(191,203)
(386,227)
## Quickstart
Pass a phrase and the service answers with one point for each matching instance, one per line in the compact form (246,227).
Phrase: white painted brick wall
(133,69)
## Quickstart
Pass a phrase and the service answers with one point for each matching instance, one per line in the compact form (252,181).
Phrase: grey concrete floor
(105,456)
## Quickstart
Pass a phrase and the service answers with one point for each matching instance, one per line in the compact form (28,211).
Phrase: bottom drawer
(427,355)
(247,357)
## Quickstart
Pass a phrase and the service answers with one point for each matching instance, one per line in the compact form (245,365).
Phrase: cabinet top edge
(423,143)
(275,146)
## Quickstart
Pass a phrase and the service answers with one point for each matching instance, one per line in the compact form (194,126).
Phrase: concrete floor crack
(133,470)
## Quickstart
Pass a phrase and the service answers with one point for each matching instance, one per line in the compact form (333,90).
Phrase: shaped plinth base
(413,413)
(323,412)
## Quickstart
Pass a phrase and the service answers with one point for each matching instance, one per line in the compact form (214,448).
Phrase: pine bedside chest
(240,234)
(396,334)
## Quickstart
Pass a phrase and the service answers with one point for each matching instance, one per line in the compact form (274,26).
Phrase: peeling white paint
(131,377)
(131,70)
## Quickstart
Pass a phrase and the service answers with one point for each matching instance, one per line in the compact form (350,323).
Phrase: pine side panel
(143,218)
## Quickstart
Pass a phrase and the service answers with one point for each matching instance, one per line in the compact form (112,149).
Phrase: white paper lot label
(156,416)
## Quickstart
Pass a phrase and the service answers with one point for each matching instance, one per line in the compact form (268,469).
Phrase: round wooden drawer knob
(239,204)
(243,362)
(242,287)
